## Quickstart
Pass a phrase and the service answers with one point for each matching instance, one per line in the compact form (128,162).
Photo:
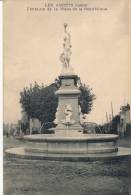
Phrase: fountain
(69,142)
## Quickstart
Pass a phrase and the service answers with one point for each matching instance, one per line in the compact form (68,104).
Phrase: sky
(33,42)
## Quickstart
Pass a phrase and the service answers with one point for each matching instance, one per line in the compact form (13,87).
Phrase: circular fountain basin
(88,143)
(89,147)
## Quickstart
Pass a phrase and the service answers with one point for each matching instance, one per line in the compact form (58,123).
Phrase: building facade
(33,123)
(124,120)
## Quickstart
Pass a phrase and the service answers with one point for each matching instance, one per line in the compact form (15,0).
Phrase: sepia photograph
(66,97)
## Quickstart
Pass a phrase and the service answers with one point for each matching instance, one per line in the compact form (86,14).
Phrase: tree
(41,102)
(5,130)
(86,99)
(115,122)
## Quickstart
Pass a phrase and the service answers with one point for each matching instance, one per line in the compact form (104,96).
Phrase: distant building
(24,117)
(125,115)
(33,123)
(124,119)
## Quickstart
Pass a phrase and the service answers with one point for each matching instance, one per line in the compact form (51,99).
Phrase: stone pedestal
(68,94)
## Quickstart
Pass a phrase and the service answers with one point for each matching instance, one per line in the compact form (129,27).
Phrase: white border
(1,97)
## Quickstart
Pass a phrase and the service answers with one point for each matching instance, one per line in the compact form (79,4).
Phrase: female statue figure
(65,56)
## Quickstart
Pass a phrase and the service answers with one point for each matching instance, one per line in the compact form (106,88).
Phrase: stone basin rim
(122,153)
(82,138)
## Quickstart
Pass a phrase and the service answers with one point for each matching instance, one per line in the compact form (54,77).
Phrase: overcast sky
(33,42)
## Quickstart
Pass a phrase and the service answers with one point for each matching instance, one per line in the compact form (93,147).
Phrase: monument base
(71,131)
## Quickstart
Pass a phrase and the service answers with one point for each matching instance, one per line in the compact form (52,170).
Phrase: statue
(65,56)
(56,117)
(68,120)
